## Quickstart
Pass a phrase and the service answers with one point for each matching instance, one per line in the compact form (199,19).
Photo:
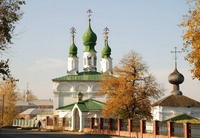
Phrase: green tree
(10,13)
(191,37)
(130,89)
(8,91)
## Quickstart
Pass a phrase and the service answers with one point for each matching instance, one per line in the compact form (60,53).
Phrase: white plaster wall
(165,112)
(72,63)
(65,93)
(106,64)
(93,63)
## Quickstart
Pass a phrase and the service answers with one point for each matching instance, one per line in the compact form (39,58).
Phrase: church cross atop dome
(73,31)
(175,55)
(106,30)
(89,14)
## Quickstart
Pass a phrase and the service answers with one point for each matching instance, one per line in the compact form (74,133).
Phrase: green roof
(73,50)
(89,39)
(82,76)
(183,118)
(84,106)
(106,52)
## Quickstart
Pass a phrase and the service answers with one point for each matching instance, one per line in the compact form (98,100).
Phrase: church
(75,94)
(176,104)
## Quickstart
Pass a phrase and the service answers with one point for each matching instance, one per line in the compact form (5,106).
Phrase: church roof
(82,76)
(34,102)
(177,101)
(183,118)
(84,106)
(30,111)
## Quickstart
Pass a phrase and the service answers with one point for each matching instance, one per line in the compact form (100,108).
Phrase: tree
(8,91)
(9,14)
(130,89)
(191,37)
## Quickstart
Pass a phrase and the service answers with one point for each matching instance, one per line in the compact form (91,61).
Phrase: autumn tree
(8,110)
(9,15)
(191,36)
(130,89)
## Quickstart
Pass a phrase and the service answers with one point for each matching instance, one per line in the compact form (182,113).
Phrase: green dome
(106,52)
(89,36)
(73,50)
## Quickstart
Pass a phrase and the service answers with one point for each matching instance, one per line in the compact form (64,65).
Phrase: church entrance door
(77,119)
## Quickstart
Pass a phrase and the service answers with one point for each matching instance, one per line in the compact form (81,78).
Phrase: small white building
(176,103)
(66,88)
(80,111)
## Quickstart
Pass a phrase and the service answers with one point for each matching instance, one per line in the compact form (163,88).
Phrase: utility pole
(2,110)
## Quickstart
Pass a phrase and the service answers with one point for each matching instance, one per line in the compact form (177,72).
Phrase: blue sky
(42,39)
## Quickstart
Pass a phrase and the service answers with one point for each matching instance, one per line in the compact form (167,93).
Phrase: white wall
(165,112)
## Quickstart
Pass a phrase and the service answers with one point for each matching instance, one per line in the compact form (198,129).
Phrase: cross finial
(89,13)
(73,31)
(106,30)
(175,55)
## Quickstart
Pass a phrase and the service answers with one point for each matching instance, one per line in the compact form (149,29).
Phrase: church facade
(87,82)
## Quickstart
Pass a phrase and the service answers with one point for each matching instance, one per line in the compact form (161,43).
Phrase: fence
(143,129)
(25,123)
(130,128)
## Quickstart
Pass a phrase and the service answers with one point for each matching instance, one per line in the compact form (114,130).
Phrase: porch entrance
(77,119)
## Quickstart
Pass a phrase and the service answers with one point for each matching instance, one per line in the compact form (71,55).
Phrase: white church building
(84,83)
(176,104)
(76,93)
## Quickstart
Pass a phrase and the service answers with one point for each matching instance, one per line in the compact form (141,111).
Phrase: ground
(21,133)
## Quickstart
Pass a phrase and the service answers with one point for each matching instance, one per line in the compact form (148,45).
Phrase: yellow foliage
(130,88)
(7,89)
(191,37)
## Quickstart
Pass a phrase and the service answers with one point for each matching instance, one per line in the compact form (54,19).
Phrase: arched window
(81,88)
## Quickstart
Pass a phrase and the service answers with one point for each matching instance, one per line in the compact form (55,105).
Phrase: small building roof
(177,101)
(34,102)
(81,76)
(30,111)
(183,118)
(84,106)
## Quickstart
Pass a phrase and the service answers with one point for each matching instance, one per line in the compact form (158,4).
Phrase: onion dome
(89,36)
(175,77)
(73,49)
(106,52)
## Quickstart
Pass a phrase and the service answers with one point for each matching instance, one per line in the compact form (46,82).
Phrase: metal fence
(195,130)
(162,128)
(178,129)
